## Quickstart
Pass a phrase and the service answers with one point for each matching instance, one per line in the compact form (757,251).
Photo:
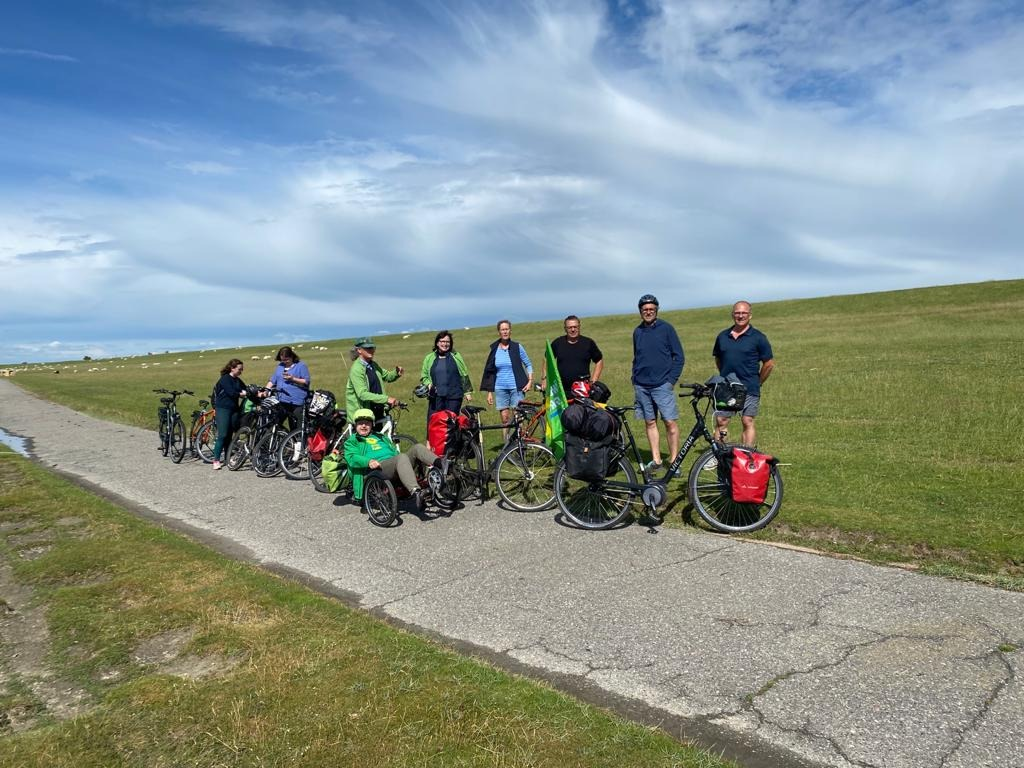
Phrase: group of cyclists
(508,374)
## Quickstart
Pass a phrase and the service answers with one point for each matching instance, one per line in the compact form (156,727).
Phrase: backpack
(332,471)
(590,459)
(748,474)
(591,440)
(584,419)
(728,394)
(442,427)
(316,444)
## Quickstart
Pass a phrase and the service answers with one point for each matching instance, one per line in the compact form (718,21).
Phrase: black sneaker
(419,500)
(435,481)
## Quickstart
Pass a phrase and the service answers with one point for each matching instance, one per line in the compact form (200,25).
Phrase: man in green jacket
(366,451)
(365,387)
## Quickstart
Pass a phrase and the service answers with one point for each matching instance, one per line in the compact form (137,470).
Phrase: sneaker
(419,500)
(216,465)
(655,466)
(435,481)
(712,464)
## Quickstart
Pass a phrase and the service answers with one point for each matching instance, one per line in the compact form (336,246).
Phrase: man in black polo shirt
(744,351)
(574,354)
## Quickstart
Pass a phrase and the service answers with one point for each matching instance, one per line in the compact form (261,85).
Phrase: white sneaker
(216,465)
(713,464)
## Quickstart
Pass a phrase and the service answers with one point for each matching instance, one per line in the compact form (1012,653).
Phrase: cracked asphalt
(774,657)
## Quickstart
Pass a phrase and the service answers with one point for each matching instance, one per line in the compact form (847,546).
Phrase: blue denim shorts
(507,398)
(652,401)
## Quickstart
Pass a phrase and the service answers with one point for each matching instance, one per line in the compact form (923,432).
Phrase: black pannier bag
(591,439)
(727,394)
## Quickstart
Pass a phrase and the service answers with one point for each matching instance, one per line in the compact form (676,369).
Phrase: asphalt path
(774,657)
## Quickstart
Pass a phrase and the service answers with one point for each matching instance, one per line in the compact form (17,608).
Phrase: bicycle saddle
(471,409)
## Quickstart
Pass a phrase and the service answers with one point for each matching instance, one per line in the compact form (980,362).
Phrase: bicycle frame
(653,490)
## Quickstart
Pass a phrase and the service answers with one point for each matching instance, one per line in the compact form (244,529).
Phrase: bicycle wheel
(291,455)
(525,476)
(177,441)
(241,446)
(205,440)
(264,455)
(165,436)
(380,501)
(466,472)
(403,442)
(708,486)
(594,504)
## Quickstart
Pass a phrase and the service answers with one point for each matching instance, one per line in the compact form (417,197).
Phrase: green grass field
(896,414)
(128,645)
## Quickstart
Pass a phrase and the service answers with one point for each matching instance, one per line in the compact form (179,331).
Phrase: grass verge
(130,645)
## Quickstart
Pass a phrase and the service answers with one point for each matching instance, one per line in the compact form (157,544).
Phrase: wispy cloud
(31,54)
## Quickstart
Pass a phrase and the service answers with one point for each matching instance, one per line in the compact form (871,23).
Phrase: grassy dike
(897,414)
(125,644)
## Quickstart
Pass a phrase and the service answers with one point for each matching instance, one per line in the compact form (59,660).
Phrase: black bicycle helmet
(647,298)
(599,392)
(421,390)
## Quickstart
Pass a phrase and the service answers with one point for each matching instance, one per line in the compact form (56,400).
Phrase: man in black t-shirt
(574,354)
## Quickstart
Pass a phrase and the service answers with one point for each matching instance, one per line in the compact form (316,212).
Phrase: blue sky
(190,174)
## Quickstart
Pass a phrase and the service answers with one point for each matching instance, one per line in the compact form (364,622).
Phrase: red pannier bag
(316,444)
(441,427)
(749,475)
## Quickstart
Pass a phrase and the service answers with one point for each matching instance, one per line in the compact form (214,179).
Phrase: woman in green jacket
(444,372)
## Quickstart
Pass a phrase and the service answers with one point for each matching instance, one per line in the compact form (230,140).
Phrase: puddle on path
(15,443)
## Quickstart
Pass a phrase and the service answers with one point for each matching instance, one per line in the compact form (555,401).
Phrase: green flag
(554,404)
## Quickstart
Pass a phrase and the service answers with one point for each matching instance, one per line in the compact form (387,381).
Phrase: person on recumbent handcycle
(367,451)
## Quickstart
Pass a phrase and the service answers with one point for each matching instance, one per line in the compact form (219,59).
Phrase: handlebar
(696,390)
(175,393)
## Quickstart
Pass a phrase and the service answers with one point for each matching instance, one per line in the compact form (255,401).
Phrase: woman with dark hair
(445,374)
(227,393)
(291,381)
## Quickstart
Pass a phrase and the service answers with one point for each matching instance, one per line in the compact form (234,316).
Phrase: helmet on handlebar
(421,390)
(647,298)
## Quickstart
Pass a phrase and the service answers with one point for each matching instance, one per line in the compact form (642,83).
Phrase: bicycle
(269,414)
(523,471)
(336,431)
(292,454)
(202,434)
(601,504)
(170,427)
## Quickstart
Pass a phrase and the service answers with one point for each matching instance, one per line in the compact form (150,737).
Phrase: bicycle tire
(165,436)
(264,455)
(379,500)
(291,455)
(205,440)
(402,441)
(525,477)
(709,493)
(466,472)
(178,441)
(592,504)
(238,451)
